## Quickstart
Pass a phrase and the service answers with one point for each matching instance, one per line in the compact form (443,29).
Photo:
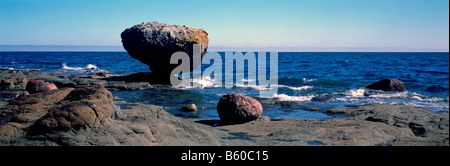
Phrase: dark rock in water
(435,88)
(36,86)
(236,108)
(64,83)
(189,108)
(388,84)
(154,43)
(88,116)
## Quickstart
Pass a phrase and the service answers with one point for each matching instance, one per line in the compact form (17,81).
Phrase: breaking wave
(88,69)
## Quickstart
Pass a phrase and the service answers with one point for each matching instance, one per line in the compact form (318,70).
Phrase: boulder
(189,108)
(154,43)
(36,86)
(435,88)
(388,84)
(419,126)
(236,108)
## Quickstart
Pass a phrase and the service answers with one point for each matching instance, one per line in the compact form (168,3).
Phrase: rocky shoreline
(82,111)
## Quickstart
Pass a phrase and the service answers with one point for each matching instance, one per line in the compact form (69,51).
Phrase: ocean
(309,83)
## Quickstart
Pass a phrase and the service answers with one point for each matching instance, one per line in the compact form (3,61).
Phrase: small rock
(435,88)
(388,84)
(189,108)
(236,108)
(48,87)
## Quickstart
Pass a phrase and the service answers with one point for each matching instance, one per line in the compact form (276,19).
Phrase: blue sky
(391,25)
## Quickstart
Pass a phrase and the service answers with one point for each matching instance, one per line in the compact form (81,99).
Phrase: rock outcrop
(418,126)
(154,43)
(236,108)
(88,116)
(13,83)
(388,84)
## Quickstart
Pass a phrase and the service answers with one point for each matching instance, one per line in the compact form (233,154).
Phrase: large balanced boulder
(154,43)
(236,108)
(388,85)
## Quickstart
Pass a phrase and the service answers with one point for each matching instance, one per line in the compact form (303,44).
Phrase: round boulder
(388,85)
(189,108)
(236,108)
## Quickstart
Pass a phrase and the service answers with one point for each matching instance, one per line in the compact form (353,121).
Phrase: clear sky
(415,25)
